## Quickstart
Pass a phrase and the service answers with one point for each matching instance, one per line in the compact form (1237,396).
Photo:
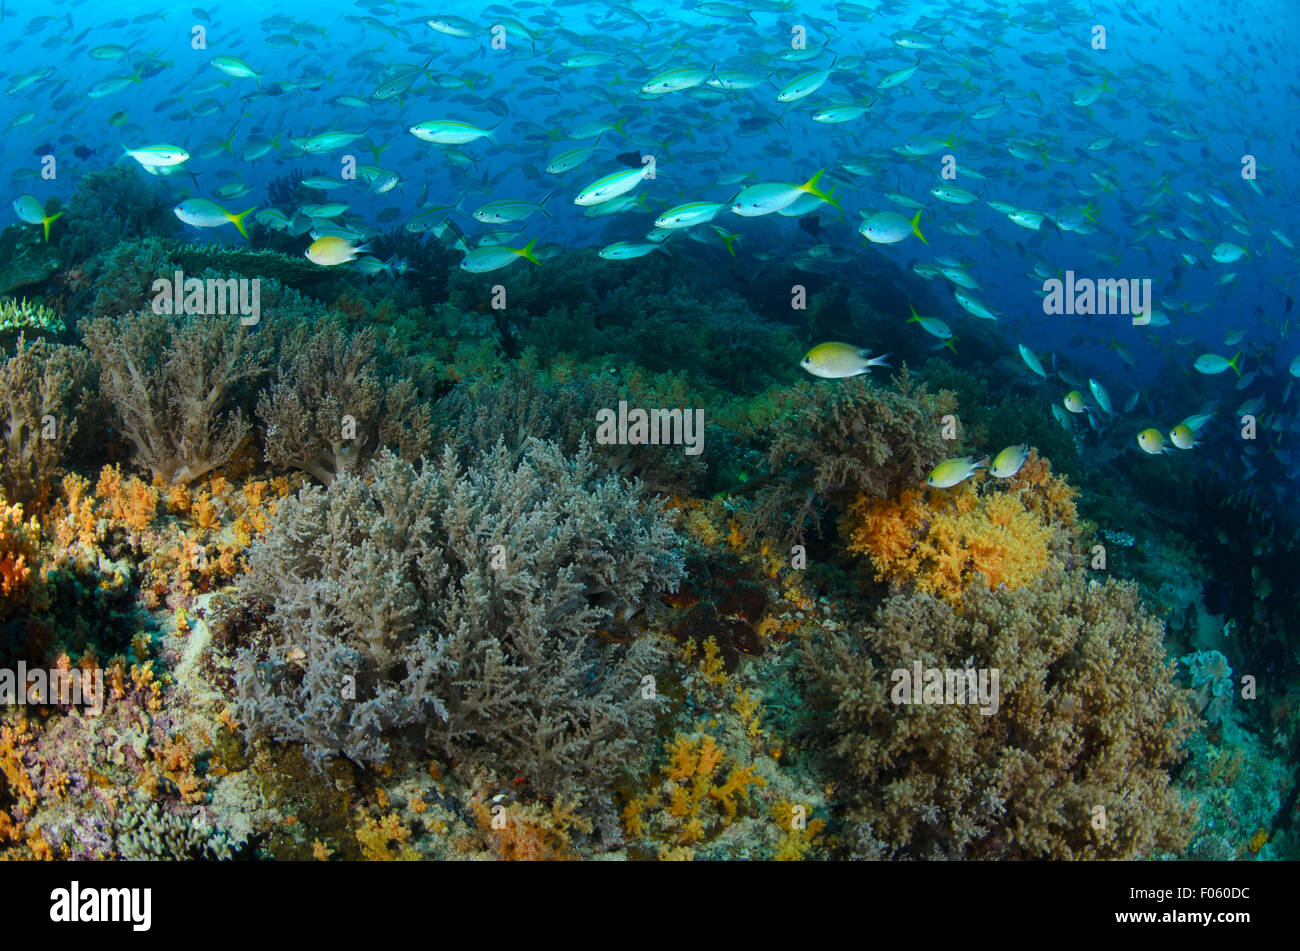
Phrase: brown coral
(1074,761)
(845,439)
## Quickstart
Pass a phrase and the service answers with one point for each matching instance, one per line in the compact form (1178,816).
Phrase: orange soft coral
(1008,532)
(19,542)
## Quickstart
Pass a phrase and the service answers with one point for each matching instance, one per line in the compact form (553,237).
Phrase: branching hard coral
(332,405)
(178,385)
(475,610)
(846,438)
(148,833)
(43,392)
(941,540)
(1073,763)
(16,315)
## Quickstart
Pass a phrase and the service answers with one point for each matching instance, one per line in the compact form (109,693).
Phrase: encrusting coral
(1074,761)
(481,612)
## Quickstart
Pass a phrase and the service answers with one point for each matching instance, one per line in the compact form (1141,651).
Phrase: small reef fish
(836,361)
(954,471)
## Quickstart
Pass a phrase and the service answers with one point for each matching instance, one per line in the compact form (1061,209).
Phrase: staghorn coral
(178,385)
(44,390)
(474,606)
(941,540)
(332,405)
(1074,762)
(844,440)
(18,315)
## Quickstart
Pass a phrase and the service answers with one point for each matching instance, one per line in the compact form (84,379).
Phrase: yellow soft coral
(19,542)
(942,541)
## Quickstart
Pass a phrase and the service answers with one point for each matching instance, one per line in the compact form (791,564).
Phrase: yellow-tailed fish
(30,210)
(201,213)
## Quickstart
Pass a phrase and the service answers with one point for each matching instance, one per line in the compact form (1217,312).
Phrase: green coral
(25,315)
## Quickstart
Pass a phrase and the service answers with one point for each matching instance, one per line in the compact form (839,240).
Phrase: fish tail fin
(238,220)
(527,252)
(915,316)
(811,188)
(618,126)
(980,463)
(729,240)
(1234,362)
(951,344)
(46,221)
(916,228)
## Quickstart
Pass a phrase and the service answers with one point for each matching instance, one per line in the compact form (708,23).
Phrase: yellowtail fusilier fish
(202,213)
(613,185)
(448,132)
(757,200)
(1212,363)
(675,80)
(889,227)
(934,327)
(29,209)
(627,250)
(482,260)
(689,215)
(158,156)
(507,210)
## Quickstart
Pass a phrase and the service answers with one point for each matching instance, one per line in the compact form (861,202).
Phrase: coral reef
(178,386)
(332,404)
(44,393)
(941,540)
(850,439)
(25,260)
(110,206)
(1073,763)
(21,315)
(477,606)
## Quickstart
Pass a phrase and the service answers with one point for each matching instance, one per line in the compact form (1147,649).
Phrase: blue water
(1190,89)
